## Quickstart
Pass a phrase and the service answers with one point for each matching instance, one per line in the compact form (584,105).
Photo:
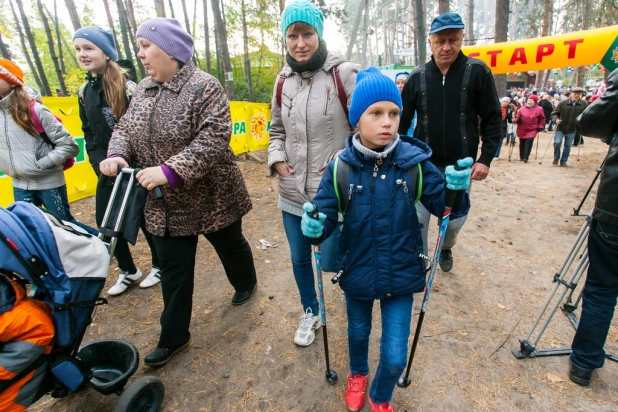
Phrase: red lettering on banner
(475,54)
(519,55)
(543,50)
(572,45)
(494,56)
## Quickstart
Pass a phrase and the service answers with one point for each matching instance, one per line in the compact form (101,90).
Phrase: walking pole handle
(314,215)
(451,195)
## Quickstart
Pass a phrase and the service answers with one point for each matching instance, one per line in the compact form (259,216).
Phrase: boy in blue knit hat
(380,244)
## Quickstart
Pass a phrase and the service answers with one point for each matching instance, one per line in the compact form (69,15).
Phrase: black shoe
(562,164)
(446,260)
(579,375)
(160,356)
(525,160)
(555,163)
(241,297)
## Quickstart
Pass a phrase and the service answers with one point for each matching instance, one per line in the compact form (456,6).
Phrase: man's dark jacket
(600,120)
(568,111)
(547,109)
(449,108)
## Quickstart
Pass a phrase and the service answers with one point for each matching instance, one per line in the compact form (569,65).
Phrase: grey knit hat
(169,35)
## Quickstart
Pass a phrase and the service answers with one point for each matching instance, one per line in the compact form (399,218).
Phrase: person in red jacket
(26,333)
(530,121)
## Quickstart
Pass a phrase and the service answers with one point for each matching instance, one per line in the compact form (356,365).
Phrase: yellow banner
(250,127)
(571,49)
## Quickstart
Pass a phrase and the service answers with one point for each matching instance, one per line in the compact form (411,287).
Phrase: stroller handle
(157,192)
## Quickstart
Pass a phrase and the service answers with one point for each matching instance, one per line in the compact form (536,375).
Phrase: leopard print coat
(185,124)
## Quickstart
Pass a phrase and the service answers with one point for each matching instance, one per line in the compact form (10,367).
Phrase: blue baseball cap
(446,21)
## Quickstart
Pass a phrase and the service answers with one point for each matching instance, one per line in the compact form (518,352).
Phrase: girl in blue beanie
(380,244)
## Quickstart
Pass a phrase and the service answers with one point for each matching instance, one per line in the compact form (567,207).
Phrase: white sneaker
(305,334)
(153,278)
(124,281)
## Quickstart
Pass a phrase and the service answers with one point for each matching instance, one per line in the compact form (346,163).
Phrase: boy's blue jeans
(55,200)
(599,296)
(302,266)
(396,318)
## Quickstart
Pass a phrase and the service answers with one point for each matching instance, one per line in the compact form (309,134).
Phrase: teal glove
(312,227)
(459,179)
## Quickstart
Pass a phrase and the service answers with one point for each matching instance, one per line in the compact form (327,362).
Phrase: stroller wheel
(145,394)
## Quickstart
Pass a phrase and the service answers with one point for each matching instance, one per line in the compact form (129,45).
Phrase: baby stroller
(66,267)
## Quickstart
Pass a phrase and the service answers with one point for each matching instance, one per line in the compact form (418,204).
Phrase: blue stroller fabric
(29,248)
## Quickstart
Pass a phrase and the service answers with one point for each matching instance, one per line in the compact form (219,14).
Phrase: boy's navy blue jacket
(381,240)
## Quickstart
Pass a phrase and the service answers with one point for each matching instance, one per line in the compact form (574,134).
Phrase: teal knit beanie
(302,10)
(371,87)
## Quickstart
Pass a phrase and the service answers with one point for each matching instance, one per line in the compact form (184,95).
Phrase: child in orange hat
(35,166)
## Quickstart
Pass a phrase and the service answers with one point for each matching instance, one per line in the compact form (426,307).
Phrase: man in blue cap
(455,99)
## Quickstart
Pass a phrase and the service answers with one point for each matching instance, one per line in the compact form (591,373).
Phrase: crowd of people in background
(175,125)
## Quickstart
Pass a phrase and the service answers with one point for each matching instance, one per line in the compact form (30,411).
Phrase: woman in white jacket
(35,166)
(309,126)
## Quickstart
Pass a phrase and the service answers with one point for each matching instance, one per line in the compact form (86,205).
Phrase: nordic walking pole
(546,149)
(405,380)
(511,148)
(331,375)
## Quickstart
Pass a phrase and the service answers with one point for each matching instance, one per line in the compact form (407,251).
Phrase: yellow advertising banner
(250,127)
(571,49)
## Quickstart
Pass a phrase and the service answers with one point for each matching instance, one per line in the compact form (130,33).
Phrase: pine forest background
(240,42)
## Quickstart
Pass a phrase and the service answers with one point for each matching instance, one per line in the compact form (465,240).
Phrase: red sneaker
(355,395)
(381,407)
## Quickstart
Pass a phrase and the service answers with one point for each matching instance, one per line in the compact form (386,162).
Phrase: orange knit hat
(10,72)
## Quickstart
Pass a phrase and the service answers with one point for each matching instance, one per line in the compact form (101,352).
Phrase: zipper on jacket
(327,99)
(375,173)
(444,115)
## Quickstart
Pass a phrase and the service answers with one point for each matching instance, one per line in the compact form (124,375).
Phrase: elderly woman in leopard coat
(178,129)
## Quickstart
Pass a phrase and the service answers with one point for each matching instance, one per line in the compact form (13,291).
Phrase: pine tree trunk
(184,10)
(443,6)
(52,48)
(73,14)
(159,8)
(195,55)
(24,48)
(410,33)
(581,73)
(133,23)
(63,41)
(110,23)
(6,53)
(501,33)
(546,26)
(420,32)
(470,23)
(245,38)
(385,58)
(58,36)
(45,88)
(221,34)
(354,34)
(172,9)
(207,36)
(365,34)
(124,29)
